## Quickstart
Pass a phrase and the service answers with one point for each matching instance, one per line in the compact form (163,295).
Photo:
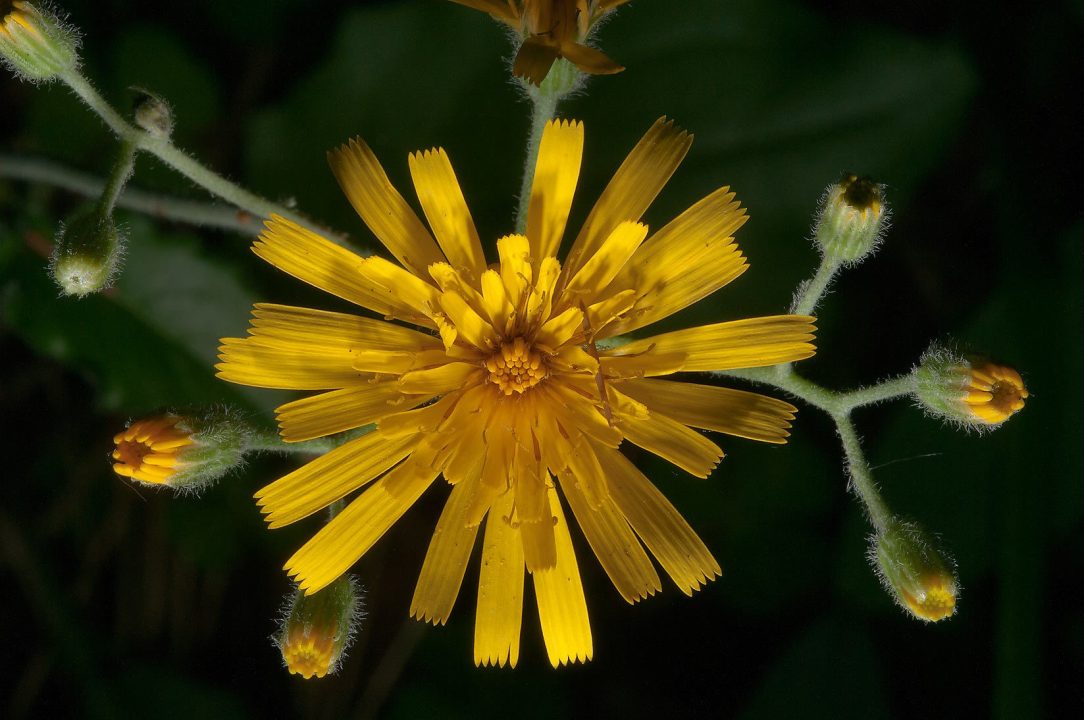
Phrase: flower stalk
(164,149)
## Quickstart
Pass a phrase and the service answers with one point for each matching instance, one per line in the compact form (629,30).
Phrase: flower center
(516,367)
(131,453)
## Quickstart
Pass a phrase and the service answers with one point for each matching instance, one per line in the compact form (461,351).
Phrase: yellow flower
(319,628)
(149,450)
(508,389)
(552,29)
(993,393)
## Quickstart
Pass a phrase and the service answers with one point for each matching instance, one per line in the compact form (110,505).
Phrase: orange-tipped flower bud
(919,575)
(319,628)
(971,391)
(35,43)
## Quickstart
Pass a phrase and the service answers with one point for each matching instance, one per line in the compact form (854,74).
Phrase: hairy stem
(811,291)
(44,172)
(118,176)
(168,153)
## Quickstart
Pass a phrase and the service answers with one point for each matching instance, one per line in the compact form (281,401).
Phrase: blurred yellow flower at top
(508,388)
(552,29)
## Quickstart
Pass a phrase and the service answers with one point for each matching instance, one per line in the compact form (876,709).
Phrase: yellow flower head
(149,450)
(509,387)
(970,391)
(318,629)
(185,453)
(994,393)
(552,29)
(918,573)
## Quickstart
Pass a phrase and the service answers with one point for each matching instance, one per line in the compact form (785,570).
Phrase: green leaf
(148,343)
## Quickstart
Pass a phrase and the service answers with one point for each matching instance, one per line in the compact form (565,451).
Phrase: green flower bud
(918,574)
(182,452)
(34,43)
(86,254)
(853,217)
(969,391)
(319,628)
(152,113)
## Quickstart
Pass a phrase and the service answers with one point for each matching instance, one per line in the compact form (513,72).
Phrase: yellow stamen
(516,367)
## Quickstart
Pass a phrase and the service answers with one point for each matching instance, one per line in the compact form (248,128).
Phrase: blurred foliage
(126,603)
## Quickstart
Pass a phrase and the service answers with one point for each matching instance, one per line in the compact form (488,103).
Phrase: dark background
(124,602)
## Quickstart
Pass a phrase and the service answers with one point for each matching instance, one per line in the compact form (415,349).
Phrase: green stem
(563,79)
(861,477)
(838,406)
(118,176)
(811,291)
(266,441)
(36,170)
(168,153)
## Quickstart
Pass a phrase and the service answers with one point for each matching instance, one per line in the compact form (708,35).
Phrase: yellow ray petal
(383,209)
(673,441)
(469,325)
(442,379)
(665,533)
(516,272)
(323,264)
(562,609)
(330,477)
(633,187)
(340,410)
(555,176)
(446,561)
(685,261)
(602,267)
(495,298)
(560,329)
(646,363)
(614,544)
(738,344)
(500,589)
(251,362)
(353,531)
(408,289)
(446,210)
(734,412)
(316,329)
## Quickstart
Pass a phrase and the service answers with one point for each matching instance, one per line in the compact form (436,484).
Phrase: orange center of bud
(148,450)
(309,653)
(995,392)
(516,367)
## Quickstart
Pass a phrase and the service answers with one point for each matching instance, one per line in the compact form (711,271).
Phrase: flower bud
(319,628)
(86,254)
(182,452)
(34,43)
(968,390)
(152,113)
(853,217)
(919,575)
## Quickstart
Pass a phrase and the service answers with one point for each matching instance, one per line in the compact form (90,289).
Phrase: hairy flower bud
(968,390)
(181,452)
(153,114)
(920,576)
(34,43)
(86,254)
(853,217)
(319,628)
